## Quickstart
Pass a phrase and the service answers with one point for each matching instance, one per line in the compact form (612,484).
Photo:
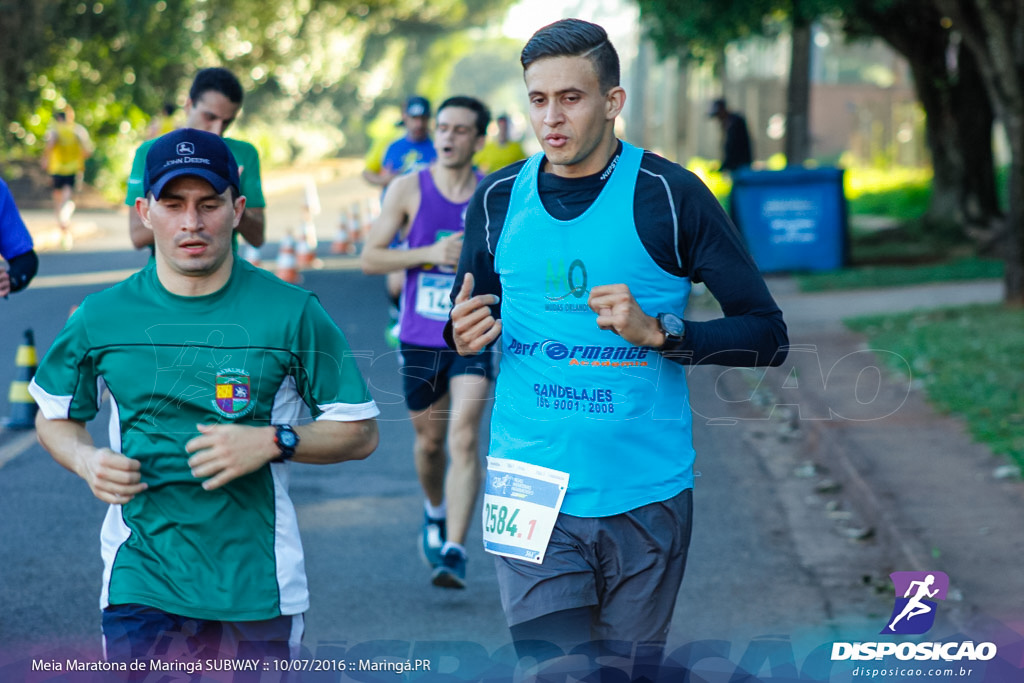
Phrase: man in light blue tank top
(580,260)
(446,394)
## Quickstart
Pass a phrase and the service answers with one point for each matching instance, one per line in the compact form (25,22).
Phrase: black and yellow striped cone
(22,407)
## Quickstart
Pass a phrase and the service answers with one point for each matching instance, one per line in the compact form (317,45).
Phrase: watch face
(287,438)
(672,324)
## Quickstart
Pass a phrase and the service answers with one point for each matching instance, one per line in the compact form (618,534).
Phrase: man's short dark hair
(483,114)
(575,38)
(219,80)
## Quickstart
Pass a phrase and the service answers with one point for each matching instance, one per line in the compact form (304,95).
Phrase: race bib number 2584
(521,504)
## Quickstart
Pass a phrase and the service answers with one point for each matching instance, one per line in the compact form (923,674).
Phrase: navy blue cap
(417,106)
(188,151)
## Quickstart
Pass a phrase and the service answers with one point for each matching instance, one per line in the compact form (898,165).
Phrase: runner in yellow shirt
(67,147)
(501,151)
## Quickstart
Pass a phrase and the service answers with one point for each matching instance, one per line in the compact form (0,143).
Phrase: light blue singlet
(570,396)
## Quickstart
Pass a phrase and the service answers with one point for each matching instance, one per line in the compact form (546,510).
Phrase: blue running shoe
(452,571)
(431,541)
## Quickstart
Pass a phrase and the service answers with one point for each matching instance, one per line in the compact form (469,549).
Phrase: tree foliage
(333,62)
(954,47)
(700,29)
(697,29)
(952,92)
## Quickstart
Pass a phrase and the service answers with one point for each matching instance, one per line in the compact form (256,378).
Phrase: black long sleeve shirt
(683,228)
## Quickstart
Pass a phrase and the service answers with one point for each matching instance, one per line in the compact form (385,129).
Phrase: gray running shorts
(628,567)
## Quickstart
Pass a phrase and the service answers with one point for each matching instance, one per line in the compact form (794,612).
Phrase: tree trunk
(958,110)
(959,128)
(682,146)
(991,31)
(798,94)
(1013,250)
(973,116)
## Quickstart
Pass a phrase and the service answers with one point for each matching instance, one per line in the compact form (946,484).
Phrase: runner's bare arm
(225,452)
(253,226)
(398,210)
(380,178)
(113,477)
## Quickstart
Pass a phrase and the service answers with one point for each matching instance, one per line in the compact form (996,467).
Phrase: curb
(838,485)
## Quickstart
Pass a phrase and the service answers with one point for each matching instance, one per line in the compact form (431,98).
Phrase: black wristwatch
(287,441)
(674,329)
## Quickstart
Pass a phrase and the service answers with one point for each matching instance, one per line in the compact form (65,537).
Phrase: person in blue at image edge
(18,260)
(584,252)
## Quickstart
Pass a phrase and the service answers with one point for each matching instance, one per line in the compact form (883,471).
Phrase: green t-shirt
(256,352)
(248,172)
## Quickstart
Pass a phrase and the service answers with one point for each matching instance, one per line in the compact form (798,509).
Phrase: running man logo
(233,393)
(914,612)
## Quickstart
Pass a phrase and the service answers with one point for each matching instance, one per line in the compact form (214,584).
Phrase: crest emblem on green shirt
(233,393)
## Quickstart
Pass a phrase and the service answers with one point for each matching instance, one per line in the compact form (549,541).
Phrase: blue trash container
(794,219)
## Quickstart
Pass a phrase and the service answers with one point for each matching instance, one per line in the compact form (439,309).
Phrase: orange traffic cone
(23,407)
(342,239)
(306,257)
(287,266)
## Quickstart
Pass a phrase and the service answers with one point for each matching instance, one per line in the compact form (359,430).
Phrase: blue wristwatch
(287,441)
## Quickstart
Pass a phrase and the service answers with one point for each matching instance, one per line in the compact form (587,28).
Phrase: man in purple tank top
(447,395)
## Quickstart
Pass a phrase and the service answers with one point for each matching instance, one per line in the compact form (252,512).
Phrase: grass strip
(968,359)
(970,268)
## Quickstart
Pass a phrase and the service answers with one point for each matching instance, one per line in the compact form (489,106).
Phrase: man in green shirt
(214,101)
(213,368)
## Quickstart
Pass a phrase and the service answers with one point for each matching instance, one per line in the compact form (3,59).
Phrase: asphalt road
(766,563)
(772,575)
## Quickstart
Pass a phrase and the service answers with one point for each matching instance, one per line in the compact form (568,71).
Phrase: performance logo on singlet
(234,396)
(581,355)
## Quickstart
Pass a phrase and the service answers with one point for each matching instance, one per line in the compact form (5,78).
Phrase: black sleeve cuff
(22,268)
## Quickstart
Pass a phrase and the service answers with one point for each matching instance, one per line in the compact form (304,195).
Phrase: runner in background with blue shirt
(18,260)
(213,368)
(445,393)
(580,259)
(411,152)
